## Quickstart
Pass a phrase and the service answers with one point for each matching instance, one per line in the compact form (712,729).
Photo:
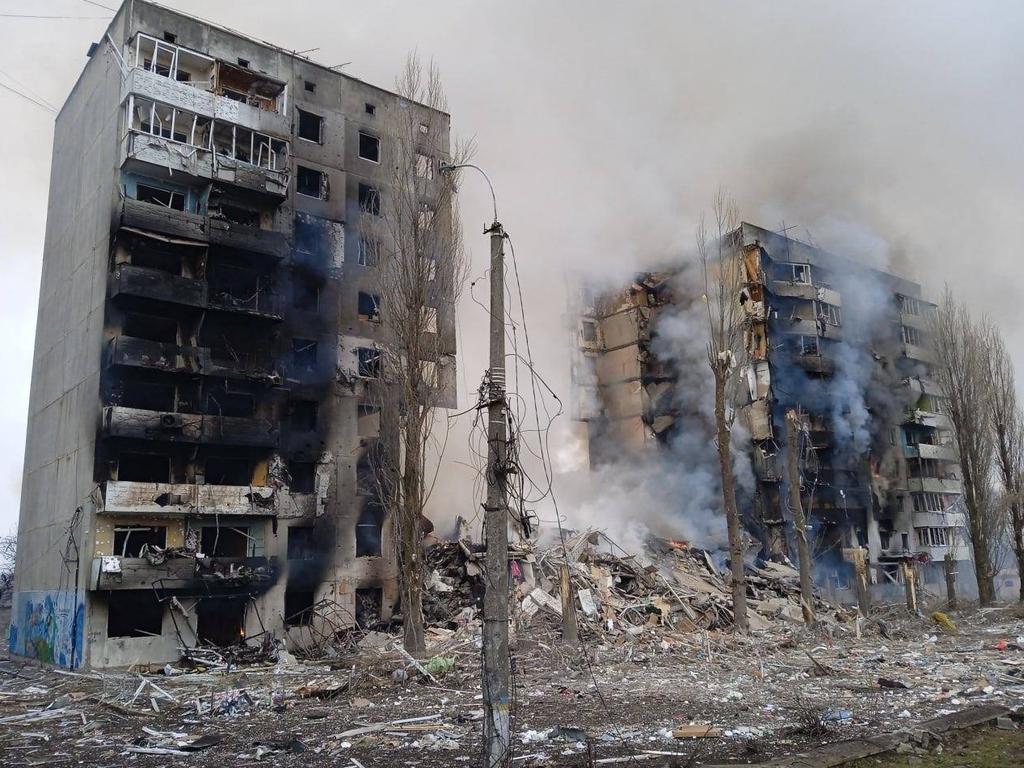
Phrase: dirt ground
(775,693)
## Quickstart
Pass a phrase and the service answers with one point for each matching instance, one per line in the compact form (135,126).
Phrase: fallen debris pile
(678,588)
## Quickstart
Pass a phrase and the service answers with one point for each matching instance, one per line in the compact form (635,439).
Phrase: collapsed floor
(648,676)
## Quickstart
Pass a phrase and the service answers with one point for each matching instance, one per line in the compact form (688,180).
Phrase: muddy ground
(775,693)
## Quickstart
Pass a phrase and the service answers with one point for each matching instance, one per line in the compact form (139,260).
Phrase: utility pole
(949,565)
(497,671)
(803,551)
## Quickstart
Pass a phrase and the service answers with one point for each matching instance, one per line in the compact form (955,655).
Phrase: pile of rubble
(675,587)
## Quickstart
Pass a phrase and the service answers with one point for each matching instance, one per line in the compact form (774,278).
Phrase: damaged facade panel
(216,394)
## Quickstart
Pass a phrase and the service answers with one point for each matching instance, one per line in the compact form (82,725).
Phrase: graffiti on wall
(49,625)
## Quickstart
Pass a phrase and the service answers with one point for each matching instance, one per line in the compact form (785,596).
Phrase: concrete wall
(64,396)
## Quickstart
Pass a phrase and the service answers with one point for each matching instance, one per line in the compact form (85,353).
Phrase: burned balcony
(165,220)
(240,289)
(129,498)
(143,424)
(155,355)
(946,453)
(188,572)
(147,283)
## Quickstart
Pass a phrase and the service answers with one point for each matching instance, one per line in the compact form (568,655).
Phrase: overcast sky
(887,131)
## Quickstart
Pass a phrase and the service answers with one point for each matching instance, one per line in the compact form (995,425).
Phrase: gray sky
(890,131)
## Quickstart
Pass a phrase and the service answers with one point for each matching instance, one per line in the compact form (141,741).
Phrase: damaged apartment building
(845,346)
(204,403)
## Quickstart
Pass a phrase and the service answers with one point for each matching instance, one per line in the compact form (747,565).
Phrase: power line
(28,98)
(36,16)
(26,87)
(100,5)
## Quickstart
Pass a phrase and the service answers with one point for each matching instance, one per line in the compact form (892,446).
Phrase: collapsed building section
(206,398)
(846,347)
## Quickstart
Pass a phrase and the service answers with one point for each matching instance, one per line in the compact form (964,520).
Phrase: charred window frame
(369,200)
(369,307)
(142,325)
(143,467)
(311,127)
(304,354)
(309,234)
(369,362)
(227,470)
(303,474)
(370,529)
(305,293)
(167,198)
(310,182)
(129,540)
(134,613)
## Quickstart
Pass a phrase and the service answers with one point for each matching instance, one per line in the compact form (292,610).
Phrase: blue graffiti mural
(48,625)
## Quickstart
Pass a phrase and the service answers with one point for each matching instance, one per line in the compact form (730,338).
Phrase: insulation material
(752,263)
(758,376)
(757,419)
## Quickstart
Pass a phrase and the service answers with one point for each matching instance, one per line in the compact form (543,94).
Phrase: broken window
(369,362)
(311,127)
(428,319)
(221,621)
(302,415)
(225,541)
(424,166)
(305,294)
(909,305)
(369,606)
(801,273)
(145,193)
(156,119)
(223,403)
(368,251)
(311,183)
(309,86)
(239,287)
(236,214)
(368,421)
(830,313)
(143,467)
(149,396)
(298,607)
(130,540)
(930,502)
(931,537)
(227,470)
(369,307)
(369,108)
(234,142)
(808,345)
(369,529)
(240,83)
(369,200)
(369,147)
(151,327)
(304,353)
(302,542)
(308,235)
(164,58)
(303,476)
(153,255)
(588,331)
(134,613)
(911,336)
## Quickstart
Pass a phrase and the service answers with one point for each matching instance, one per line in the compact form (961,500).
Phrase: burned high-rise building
(845,346)
(203,424)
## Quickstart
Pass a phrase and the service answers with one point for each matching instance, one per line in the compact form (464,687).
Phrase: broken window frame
(264,151)
(369,199)
(304,354)
(909,305)
(322,193)
(368,362)
(799,273)
(808,345)
(911,336)
(304,113)
(368,307)
(830,313)
(368,251)
(128,530)
(136,108)
(172,196)
(176,53)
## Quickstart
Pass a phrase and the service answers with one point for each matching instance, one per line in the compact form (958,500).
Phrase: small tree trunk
(949,565)
(983,568)
(732,513)
(803,551)
(410,563)
(1016,515)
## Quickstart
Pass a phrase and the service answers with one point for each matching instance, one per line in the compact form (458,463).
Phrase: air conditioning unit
(171,421)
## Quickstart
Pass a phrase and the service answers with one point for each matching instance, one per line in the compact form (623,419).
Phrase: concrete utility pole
(496,672)
(949,565)
(803,551)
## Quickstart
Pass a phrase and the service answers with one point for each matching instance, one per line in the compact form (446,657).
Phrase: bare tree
(416,240)
(8,548)
(962,347)
(723,279)
(1008,434)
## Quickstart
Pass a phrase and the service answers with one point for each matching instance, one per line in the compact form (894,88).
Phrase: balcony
(209,575)
(128,280)
(926,451)
(259,304)
(930,419)
(193,98)
(142,424)
(244,238)
(153,355)
(933,485)
(814,363)
(921,354)
(166,221)
(123,497)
